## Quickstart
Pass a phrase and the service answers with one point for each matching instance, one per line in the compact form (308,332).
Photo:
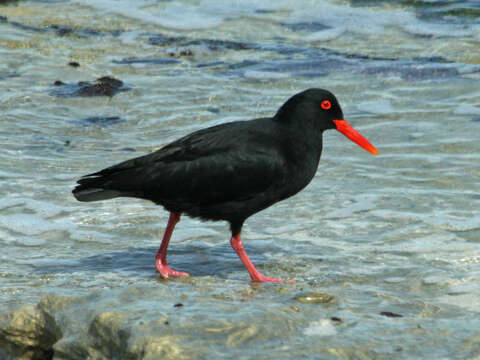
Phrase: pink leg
(237,245)
(161,257)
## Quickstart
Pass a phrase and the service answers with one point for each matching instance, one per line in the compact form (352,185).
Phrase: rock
(111,335)
(315,298)
(28,333)
(80,332)
(162,347)
(104,86)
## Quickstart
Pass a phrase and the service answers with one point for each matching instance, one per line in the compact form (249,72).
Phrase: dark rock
(73,64)
(104,86)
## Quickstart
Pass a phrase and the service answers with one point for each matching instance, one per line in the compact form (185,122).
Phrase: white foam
(322,327)
(326,35)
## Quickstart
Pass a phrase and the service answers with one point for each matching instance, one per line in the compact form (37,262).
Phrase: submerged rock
(104,86)
(64,328)
(315,298)
(28,333)
(110,335)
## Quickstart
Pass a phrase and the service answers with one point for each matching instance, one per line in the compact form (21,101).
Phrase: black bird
(229,171)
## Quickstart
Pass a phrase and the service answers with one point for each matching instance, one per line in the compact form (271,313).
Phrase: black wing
(229,162)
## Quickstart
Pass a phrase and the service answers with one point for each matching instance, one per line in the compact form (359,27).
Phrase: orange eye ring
(326,105)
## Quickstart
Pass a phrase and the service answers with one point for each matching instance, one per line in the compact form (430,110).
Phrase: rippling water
(397,234)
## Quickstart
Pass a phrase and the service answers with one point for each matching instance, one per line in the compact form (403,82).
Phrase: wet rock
(28,333)
(104,86)
(113,335)
(108,334)
(315,298)
(52,303)
(73,64)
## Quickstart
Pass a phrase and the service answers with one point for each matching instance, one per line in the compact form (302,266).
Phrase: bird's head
(319,109)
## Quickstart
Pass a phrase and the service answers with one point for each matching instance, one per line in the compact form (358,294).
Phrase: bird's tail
(92,189)
(120,180)
(85,193)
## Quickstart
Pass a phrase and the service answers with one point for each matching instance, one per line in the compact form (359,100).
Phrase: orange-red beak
(347,130)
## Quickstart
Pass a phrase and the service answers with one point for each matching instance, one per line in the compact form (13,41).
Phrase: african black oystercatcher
(229,171)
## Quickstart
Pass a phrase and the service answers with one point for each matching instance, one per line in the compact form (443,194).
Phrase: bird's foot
(166,271)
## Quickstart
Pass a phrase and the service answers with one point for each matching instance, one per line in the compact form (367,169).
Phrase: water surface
(396,234)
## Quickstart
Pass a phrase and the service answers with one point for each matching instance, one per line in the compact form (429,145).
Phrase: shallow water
(393,234)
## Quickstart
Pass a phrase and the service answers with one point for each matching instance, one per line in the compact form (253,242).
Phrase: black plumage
(229,171)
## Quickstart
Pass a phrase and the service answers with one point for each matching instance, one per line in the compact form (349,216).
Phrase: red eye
(326,104)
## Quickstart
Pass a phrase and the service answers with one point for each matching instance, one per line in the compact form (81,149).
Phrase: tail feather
(86,193)
(95,188)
